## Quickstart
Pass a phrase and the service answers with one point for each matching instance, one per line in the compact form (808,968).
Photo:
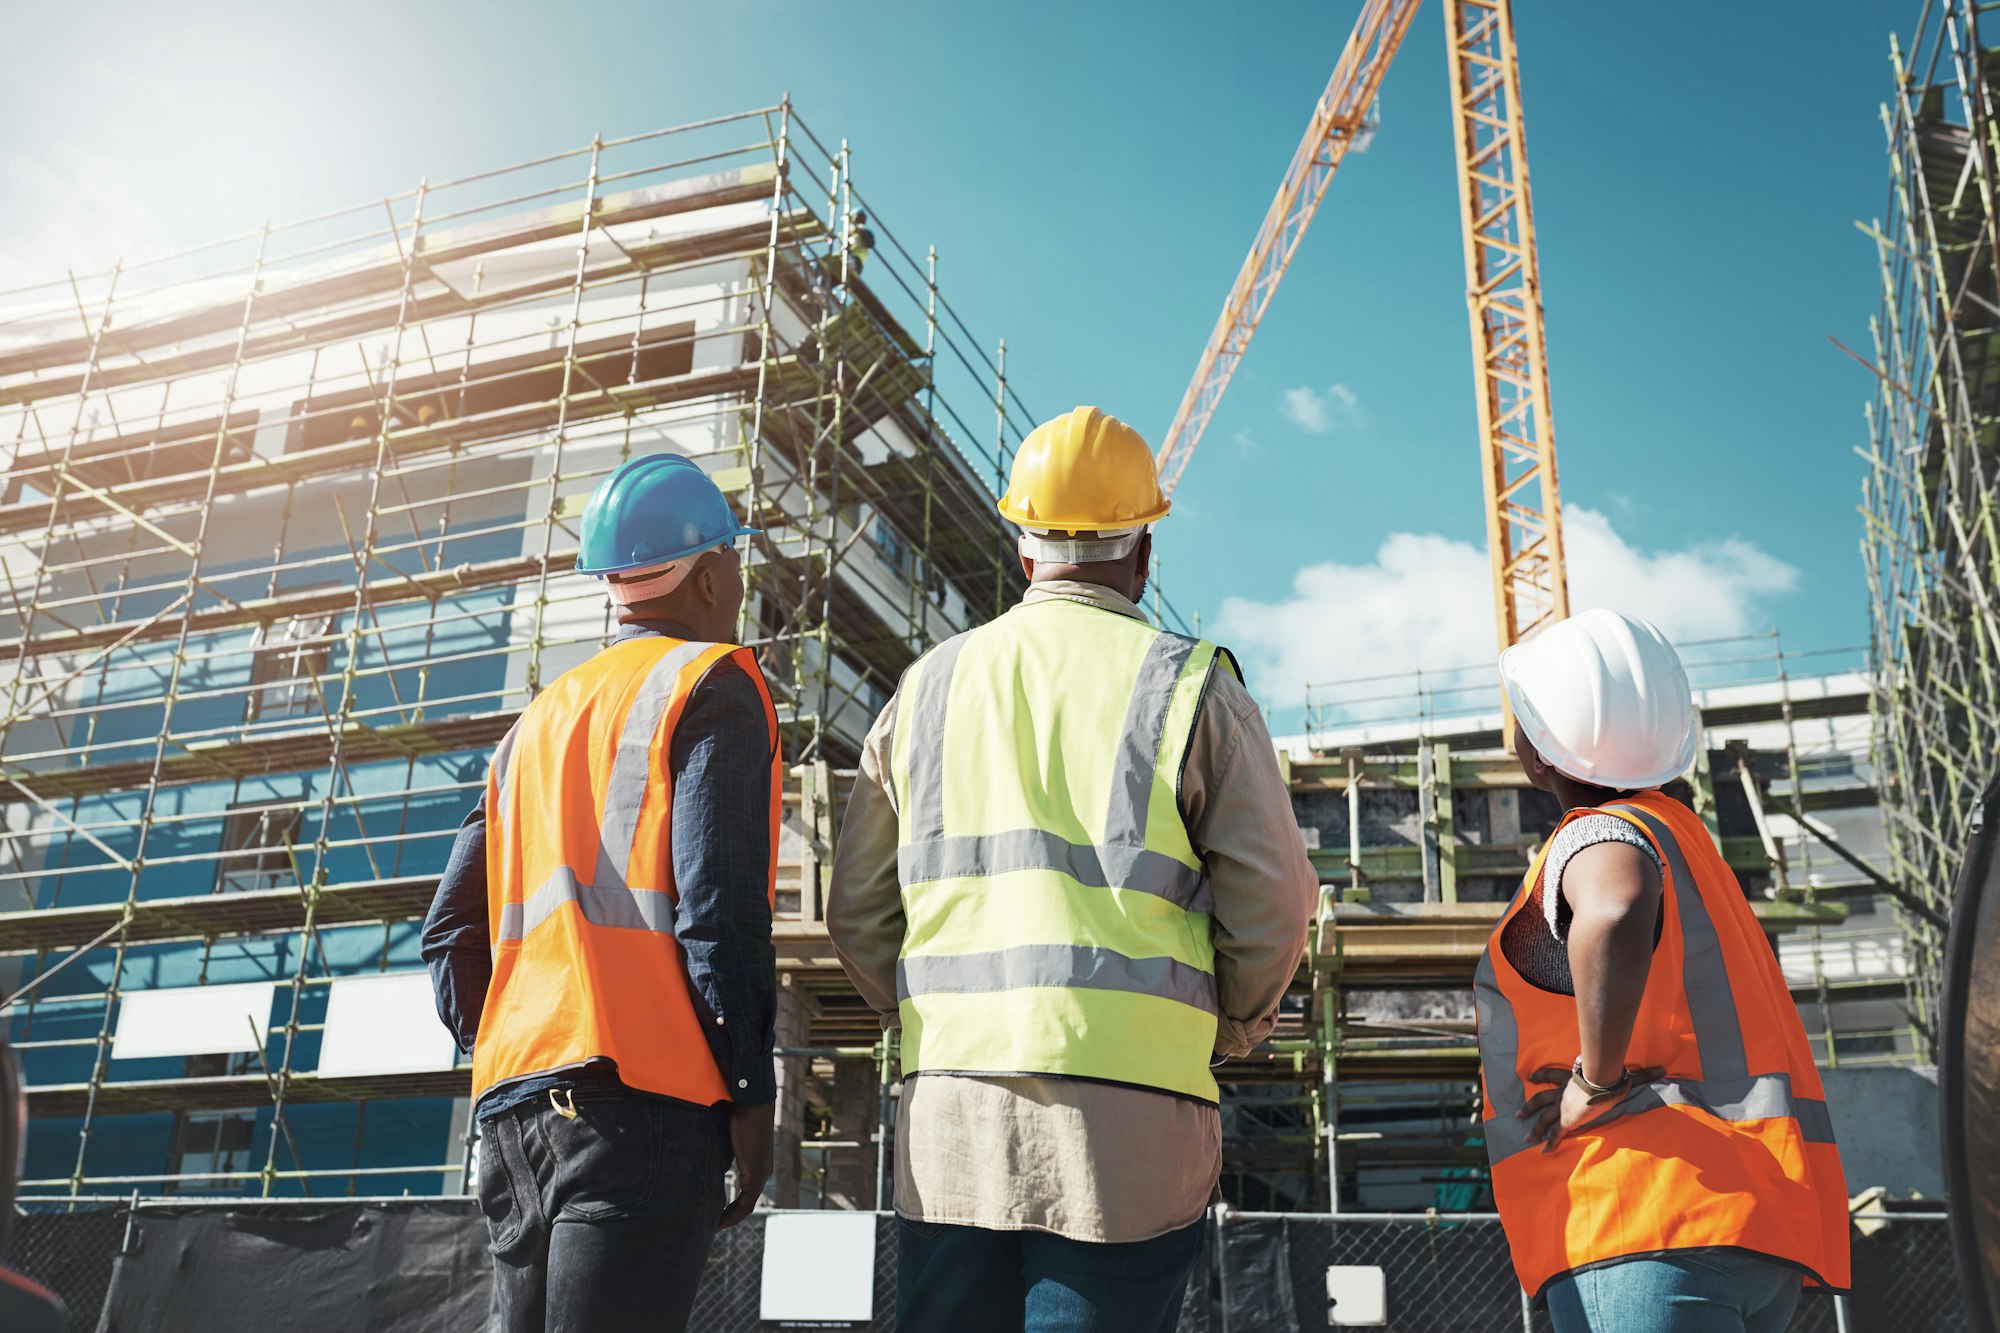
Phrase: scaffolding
(288,533)
(1931,548)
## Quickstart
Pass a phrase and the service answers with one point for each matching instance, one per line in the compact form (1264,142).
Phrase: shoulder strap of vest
(1225,659)
(922,707)
(631,764)
(746,661)
(1718,1026)
(500,767)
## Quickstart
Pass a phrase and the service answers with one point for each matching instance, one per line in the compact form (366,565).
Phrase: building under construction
(1931,546)
(288,533)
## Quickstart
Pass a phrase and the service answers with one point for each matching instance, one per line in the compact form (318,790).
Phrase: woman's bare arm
(1614,891)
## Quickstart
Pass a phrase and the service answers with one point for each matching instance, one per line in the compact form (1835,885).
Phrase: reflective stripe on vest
(1770,1183)
(580,877)
(608,900)
(1073,951)
(1078,965)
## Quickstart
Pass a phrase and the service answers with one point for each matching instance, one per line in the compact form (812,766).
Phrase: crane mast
(1510,368)
(1517,444)
(1338,120)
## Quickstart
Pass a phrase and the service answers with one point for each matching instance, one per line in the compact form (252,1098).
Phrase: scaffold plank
(303,750)
(1419,942)
(380,273)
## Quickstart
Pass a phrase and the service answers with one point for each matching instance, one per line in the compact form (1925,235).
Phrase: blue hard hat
(653,510)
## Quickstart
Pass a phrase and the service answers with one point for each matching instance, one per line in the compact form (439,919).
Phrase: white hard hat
(1604,698)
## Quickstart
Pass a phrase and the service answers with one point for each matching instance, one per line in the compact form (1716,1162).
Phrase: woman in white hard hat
(1676,1171)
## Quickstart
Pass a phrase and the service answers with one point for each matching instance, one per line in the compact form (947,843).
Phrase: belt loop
(566,1112)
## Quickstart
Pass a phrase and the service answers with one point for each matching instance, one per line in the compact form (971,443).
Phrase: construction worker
(860,244)
(840,266)
(601,939)
(1070,873)
(1674,1169)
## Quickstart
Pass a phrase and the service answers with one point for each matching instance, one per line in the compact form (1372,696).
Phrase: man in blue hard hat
(601,938)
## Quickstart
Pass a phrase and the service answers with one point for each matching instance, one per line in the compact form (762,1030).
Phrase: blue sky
(1091,175)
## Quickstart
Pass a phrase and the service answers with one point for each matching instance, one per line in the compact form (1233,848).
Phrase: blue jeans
(1699,1291)
(953,1279)
(602,1220)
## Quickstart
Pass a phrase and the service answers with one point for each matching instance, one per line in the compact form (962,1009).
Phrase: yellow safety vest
(1058,917)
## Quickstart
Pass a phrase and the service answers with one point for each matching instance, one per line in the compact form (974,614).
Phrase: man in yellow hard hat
(1071,873)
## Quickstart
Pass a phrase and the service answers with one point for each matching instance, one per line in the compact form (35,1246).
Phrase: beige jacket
(1090,1161)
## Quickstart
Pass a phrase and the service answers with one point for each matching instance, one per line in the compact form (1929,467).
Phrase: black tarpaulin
(416,1268)
(1256,1272)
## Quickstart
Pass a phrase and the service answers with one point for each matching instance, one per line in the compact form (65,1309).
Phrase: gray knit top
(1536,940)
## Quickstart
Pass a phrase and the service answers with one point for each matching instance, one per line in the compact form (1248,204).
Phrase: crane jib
(1503,287)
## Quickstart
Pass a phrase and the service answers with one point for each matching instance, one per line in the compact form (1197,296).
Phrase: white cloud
(1318,413)
(1306,409)
(1706,591)
(1425,601)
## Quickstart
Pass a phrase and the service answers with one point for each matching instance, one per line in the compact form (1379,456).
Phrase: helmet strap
(1051,549)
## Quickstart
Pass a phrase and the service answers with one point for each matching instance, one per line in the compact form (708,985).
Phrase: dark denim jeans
(604,1220)
(969,1280)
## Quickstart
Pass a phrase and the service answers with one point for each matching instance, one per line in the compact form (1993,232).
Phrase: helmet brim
(1079,523)
(654,561)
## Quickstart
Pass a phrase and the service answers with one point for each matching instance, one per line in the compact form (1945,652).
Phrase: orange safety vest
(580,881)
(1733,1147)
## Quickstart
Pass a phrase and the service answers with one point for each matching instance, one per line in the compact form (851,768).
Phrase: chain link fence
(1451,1273)
(1260,1272)
(71,1253)
(1443,1274)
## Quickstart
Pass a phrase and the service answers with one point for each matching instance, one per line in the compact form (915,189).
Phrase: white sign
(1356,1295)
(819,1267)
(192,1020)
(384,1025)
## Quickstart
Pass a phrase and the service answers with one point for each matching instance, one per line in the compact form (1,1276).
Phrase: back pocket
(506,1189)
(607,1158)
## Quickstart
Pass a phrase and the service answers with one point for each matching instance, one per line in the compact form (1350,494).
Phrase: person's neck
(694,626)
(1573,795)
(1112,580)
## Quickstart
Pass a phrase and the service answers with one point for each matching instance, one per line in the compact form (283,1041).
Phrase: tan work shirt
(1090,1161)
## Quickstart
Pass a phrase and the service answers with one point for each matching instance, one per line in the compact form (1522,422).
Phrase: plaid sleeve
(721,769)
(457,941)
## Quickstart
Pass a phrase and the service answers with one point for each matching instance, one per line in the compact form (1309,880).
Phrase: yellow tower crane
(1503,287)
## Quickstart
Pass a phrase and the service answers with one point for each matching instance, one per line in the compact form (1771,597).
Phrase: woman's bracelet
(1597,1090)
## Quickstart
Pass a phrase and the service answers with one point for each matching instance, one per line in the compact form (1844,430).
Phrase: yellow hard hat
(1084,471)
